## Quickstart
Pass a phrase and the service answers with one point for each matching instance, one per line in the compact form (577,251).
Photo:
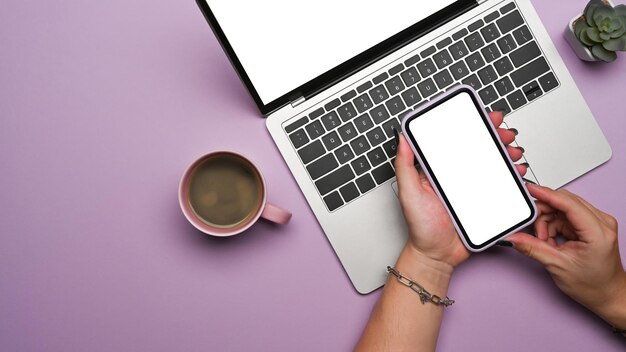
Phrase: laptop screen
(284,44)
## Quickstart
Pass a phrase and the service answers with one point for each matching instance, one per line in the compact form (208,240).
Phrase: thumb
(406,173)
(534,248)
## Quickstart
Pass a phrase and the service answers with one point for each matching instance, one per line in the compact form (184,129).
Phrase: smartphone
(469,168)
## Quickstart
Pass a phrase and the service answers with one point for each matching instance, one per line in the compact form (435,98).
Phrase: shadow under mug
(265,210)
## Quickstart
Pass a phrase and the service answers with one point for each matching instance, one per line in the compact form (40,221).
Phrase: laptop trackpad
(394,185)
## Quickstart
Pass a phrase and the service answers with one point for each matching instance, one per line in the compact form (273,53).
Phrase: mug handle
(275,214)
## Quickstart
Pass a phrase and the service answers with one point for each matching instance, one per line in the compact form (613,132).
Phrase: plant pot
(582,51)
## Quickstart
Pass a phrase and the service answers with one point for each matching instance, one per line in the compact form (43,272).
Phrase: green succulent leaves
(603,29)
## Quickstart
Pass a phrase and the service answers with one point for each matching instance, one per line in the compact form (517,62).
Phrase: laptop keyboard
(347,145)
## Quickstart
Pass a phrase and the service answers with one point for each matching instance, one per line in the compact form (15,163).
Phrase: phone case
(483,112)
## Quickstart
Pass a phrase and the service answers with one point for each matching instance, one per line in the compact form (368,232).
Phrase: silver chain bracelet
(425,296)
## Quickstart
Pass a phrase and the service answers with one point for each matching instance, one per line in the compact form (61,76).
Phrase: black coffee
(225,191)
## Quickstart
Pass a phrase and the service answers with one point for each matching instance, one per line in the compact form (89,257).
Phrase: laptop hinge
(297,102)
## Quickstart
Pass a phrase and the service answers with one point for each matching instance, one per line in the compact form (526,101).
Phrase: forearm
(400,321)
(614,311)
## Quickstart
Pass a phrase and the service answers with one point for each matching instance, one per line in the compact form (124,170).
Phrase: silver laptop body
(362,219)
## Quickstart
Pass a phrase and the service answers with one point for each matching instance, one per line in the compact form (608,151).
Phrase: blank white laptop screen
(462,156)
(284,44)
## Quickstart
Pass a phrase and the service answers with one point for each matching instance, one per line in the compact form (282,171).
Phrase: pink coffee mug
(264,210)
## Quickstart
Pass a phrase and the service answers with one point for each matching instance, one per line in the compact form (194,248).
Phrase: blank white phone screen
(467,164)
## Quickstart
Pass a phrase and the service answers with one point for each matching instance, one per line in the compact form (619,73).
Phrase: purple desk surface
(103,105)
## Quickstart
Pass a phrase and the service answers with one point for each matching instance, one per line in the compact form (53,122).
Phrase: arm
(586,264)
(400,322)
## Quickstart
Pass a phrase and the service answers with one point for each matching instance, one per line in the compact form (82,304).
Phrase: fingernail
(504,244)
(514,130)
(396,136)
(525,164)
(529,181)
(521,149)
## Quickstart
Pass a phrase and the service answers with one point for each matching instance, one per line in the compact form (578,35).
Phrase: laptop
(335,77)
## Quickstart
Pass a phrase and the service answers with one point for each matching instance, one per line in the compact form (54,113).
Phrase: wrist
(434,275)
(613,310)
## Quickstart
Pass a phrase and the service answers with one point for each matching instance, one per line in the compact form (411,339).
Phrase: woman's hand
(587,265)
(432,235)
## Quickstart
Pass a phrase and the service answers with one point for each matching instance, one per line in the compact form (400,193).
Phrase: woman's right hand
(587,266)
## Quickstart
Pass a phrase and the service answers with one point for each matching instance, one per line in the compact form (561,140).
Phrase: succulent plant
(602,28)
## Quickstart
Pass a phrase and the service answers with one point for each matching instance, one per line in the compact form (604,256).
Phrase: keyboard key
(380,78)
(510,22)
(396,69)
(383,173)
(376,136)
(427,52)
(331,141)
(525,54)
(487,75)
(349,192)
(442,59)
(390,125)
(504,86)
(508,7)
(516,99)
(490,33)
(363,103)
(491,52)
(363,87)
(311,152)
(360,165)
(474,26)
(411,96)
(474,41)
(379,114)
(412,60)
(492,16)
(299,123)
(331,120)
(351,94)
(360,145)
(390,148)
(459,70)
(363,123)
(333,201)
(365,183)
(410,76)
(488,95)
(458,50)
(427,88)
(347,112)
(299,138)
(344,154)
(394,85)
(473,82)
(443,79)
(442,44)
(503,66)
(506,44)
(529,72)
(460,34)
(395,105)
(426,68)
(532,91)
(522,35)
(548,82)
(332,104)
(379,94)
(322,166)
(347,132)
(475,62)
(315,129)
(501,105)
(376,156)
(334,179)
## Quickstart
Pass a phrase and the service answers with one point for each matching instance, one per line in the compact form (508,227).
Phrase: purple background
(102,106)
